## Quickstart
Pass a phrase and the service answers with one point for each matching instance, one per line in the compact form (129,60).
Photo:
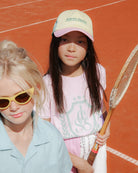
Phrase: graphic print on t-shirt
(77,121)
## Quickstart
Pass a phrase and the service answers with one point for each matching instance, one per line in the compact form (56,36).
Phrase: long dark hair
(89,65)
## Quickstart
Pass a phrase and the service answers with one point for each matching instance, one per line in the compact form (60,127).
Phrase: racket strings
(117,93)
(125,77)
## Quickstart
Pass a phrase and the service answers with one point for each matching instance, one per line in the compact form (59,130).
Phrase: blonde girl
(27,143)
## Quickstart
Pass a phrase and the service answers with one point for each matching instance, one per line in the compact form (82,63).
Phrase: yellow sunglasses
(21,98)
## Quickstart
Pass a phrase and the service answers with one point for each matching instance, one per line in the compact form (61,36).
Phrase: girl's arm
(80,164)
(101,139)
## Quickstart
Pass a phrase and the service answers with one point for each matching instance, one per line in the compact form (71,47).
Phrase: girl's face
(15,114)
(72,51)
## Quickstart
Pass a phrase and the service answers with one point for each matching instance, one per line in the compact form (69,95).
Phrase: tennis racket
(120,87)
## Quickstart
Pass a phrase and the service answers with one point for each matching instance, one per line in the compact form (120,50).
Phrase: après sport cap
(73,20)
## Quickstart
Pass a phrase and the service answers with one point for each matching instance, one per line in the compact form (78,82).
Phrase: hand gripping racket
(117,93)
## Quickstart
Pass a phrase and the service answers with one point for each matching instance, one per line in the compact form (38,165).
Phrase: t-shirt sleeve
(102,72)
(46,109)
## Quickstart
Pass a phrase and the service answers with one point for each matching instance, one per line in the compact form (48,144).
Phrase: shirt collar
(39,136)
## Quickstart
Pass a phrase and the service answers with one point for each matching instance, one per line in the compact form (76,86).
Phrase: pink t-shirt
(77,121)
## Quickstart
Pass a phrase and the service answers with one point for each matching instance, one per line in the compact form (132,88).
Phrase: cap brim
(62,32)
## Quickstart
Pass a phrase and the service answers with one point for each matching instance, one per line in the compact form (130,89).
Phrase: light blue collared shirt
(46,153)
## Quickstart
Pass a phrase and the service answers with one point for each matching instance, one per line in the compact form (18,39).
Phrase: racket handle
(95,147)
(93,153)
(106,122)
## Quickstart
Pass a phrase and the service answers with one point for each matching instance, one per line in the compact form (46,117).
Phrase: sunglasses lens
(22,98)
(4,103)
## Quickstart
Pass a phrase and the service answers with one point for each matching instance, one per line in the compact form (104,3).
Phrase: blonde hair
(16,64)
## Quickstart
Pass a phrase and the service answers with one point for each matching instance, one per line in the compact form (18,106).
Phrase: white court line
(20,4)
(32,24)
(112,3)
(123,156)
(36,23)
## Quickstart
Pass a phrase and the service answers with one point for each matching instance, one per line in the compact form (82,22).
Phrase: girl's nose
(13,106)
(71,47)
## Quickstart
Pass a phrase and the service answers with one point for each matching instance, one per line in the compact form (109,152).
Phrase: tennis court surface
(29,23)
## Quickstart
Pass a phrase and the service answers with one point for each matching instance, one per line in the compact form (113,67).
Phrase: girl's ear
(38,86)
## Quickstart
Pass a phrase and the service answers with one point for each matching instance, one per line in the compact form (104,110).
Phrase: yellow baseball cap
(73,20)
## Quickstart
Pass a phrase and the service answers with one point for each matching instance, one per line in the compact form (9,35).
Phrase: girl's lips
(69,56)
(17,115)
